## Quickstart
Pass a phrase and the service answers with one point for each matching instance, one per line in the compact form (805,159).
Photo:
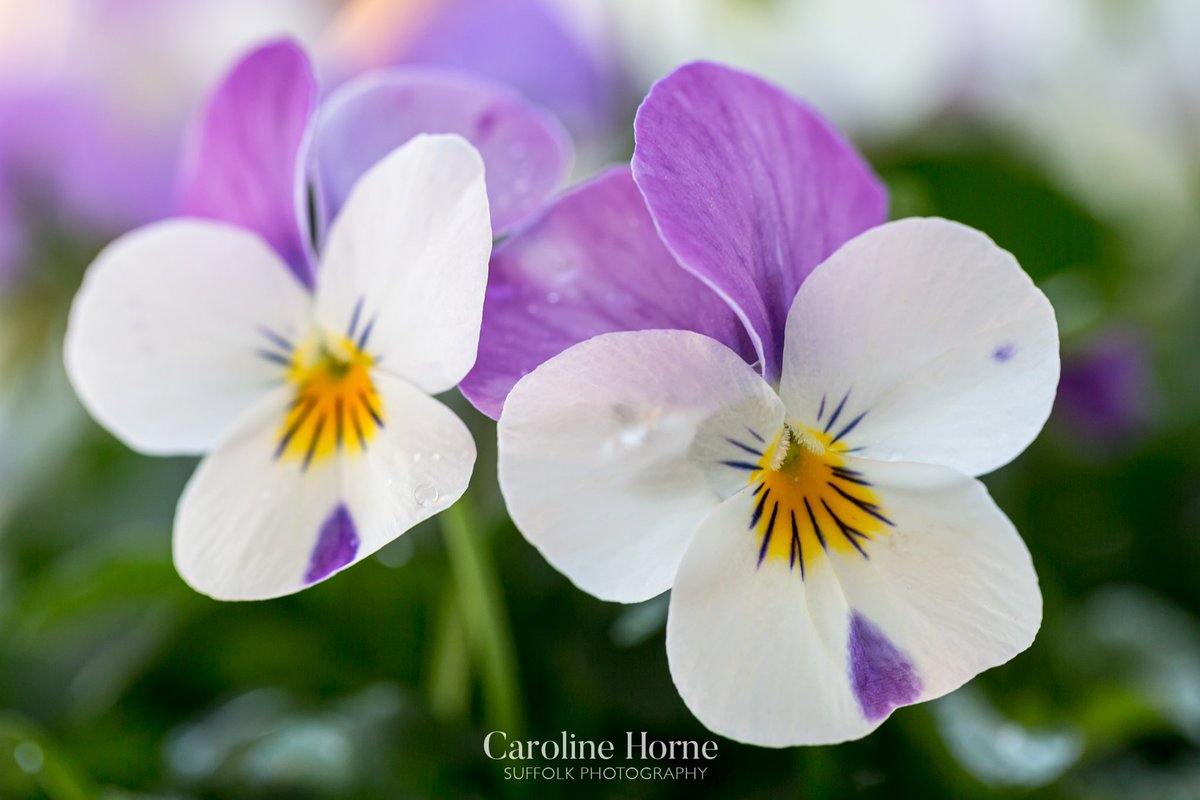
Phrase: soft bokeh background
(1069,131)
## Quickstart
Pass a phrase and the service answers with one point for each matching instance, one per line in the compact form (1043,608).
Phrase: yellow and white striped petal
(178,328)
(818,640)
(260,520)
(921,340)
(610,453)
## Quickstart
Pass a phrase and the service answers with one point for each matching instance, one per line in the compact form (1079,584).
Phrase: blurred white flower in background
(1104,96)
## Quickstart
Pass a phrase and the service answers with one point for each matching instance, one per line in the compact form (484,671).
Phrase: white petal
(765,656)
(411,246)
(936,335)
(167,336)
(247,524)
(419,465)
(250,527)
(952,584)
(608,453)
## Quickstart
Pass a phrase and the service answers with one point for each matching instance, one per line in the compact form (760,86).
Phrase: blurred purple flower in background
(93,96)
(1107,395)
(552,53)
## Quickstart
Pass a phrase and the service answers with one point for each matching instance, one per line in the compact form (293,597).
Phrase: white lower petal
(609,451)
(179,327)
(420,464)
(921,340)
(953,584)
(251,526)
(764,655)
(247,524)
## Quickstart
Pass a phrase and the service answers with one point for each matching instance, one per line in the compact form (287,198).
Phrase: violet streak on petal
(880,675)
(525,150)
(592,264)
(245,162)
(751,190)
(337,544)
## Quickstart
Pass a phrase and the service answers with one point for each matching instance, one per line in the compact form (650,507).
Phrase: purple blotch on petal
(1004,352)
(337,544)
(881,676)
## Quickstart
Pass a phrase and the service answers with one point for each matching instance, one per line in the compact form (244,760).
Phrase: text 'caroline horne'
(638,747)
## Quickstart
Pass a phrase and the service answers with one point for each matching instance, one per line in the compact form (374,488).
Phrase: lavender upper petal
(750,188)
(525,150)
(592,264)
(246,158)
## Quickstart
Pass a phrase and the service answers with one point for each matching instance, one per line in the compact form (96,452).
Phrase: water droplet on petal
(553,297)
(637,425)
(426,495)
(416,458)
(437,456)
(633,435)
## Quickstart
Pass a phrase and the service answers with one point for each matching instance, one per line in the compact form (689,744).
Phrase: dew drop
(636,426)
(426,495)
(416,458)
(553,297)
(437,456)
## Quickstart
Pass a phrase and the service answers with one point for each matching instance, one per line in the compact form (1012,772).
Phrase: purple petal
(524,44)
(246,159)
(525,151)
(592,264)
(881,677)
(750,188)
(337,544)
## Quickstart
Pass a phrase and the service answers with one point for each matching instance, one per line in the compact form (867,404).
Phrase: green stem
(484,616)
(449,667)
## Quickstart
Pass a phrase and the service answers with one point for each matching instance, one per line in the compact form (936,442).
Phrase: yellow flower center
(808,500)
(336,408)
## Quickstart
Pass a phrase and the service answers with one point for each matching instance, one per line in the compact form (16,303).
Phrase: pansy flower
(777,412)
(306,380)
